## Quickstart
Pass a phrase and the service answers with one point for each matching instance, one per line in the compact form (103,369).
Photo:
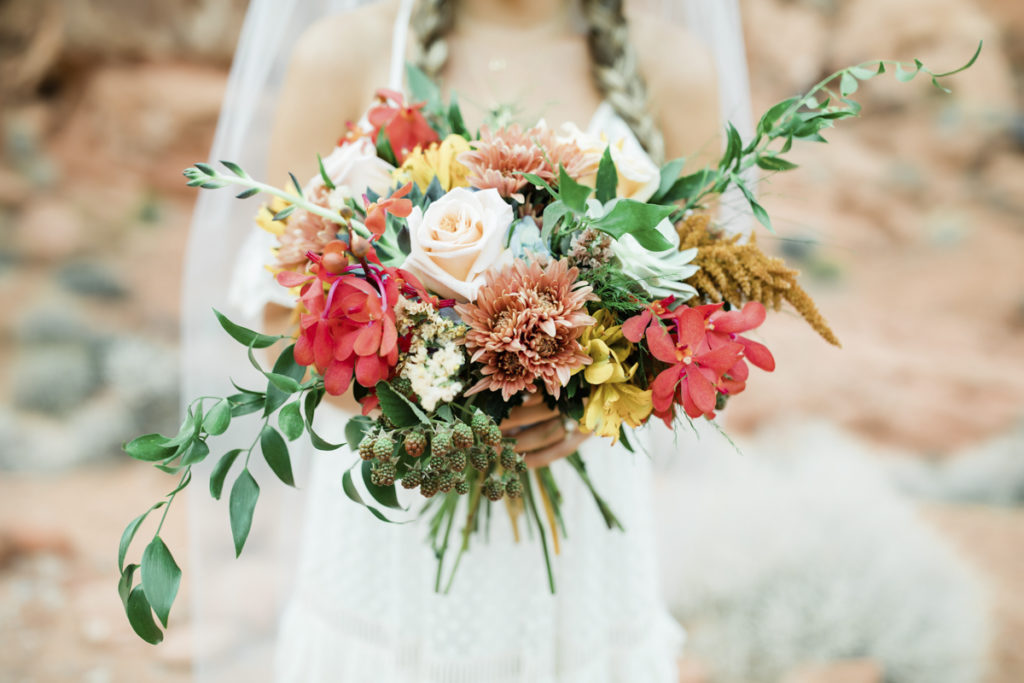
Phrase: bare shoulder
(681,77)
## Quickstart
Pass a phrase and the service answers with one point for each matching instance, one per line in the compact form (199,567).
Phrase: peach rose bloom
(456,240)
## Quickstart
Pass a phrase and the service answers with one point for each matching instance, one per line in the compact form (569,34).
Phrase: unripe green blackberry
(462,436)
(479,458)
(720,401)
(492,435)
(412,479)
(430,484)
(514,488)
(447,482)
(521,465)
(383,448)
(437,464)
(493,489)
(383,473)
(457,461)
(386,422)
(441,444)
(509,458)
(366,447)
(479,424)
(415,443)
(462,487)
(402,385)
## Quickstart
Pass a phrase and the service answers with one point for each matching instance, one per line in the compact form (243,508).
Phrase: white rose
(354,167)
(639,177)
(456,239)
(660,273)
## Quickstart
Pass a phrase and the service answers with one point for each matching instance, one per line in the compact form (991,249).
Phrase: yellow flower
(437,160)
(265,216)
(613,398)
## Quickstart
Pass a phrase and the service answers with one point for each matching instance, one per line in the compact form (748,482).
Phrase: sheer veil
(234,606)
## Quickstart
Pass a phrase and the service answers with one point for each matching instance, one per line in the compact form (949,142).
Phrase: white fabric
(237,608)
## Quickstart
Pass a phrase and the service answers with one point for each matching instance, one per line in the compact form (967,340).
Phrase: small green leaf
(669,174)
(275,452)
(311,402)
(244,494)
(733,147)
(537,181)
(140,616)
(245,194)
(688,187)
(637,219)
(607,177)
(355,429)
(328,183)
(284,213)
(398,408)
(195,453)
(385,495)
(235,168)
(349,487)
(217,420)
(384,149)
(287,374)
(572,193)
(129,534)
(759,212)
(150,448)
(862,74)
(423,89)
(768,122)
(296,185)
(124,584)
(553,214)
(290,421)
(161,578)
(847,84)
(244,335)
(455,120)
(220,472)
(904,75)
(771,163)
(206,169)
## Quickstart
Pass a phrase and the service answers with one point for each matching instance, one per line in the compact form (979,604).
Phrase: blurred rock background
(909,442)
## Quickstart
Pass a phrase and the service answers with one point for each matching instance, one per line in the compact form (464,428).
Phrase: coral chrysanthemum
(525,326)
(500,158)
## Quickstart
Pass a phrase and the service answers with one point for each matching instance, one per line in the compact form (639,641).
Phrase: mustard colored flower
(613,398)
(440,160)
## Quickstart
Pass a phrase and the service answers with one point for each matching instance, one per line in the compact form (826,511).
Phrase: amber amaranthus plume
(734,272)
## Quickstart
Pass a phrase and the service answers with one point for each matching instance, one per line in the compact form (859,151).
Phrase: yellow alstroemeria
(439,160)
(614,399)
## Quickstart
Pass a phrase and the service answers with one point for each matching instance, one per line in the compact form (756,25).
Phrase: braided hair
(614,61)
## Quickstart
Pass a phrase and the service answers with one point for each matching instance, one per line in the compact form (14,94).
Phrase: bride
(357,596)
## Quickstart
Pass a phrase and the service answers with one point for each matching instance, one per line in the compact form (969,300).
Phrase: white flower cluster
(434,359)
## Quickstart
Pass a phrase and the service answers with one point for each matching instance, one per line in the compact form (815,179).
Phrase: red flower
(633,329)
(376,212)
(695,370)
(404,125)
(724,328)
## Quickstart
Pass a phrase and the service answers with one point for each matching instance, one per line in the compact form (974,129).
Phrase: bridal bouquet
(443,276)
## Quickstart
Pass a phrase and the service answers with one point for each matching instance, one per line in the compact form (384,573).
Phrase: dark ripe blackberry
(415,443)
(479,458)
(457,461)
(479,424)
(462,487)
(462,436)
(437,464)
(492,435)
(514,488)
(366,447)
(402,385)
(412,479)
(383,448)
(430,484)
(447,482)
(493,489)
(441,444)
(383,473)
(509,458)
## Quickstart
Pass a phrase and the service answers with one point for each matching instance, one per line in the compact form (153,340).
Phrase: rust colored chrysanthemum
(305,232)
(525,325)
(500,158)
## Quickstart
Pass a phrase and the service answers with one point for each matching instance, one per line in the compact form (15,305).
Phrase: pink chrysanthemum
(563,152)
(525,326)
(305,232)
(499,159)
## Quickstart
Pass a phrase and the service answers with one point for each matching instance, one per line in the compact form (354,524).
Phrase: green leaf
(296,185)
(607,177)
(905,76)
(220,472)
(423,89)
(140,616)
(863,74)
(772,117)
(966,66)
(328,183)
(669,175)
(847,84)
(349,487)
(771,163)
(384,149)
(733,147)
(217,420)
(124,584)
(245,336)
(245,194)
(398,408)
(129,534)
(235,168)
(553,214)
(759,212)
(244,494)
(537,181)
(275,452)
(150,448)
(455,120)
(355,429)
(161,578)
(195,453)
(284,213)
(290,421)
(245,403)
(385,495)
(205,168)
(687,187)
(284,380)
(311,402)
(572,193)
(637,219)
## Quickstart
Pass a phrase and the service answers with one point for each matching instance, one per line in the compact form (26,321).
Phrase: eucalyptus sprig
(290,396)
(800,118)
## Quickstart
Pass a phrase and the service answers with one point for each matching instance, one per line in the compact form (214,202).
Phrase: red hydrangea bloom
(404,124)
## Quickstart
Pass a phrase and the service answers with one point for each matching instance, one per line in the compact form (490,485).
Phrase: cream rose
(353,167)
(456,239)
(639,177)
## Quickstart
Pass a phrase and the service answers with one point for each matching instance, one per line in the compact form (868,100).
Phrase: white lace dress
(364,607)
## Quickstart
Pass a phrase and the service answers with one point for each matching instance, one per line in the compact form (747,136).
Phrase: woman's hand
(540,435)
